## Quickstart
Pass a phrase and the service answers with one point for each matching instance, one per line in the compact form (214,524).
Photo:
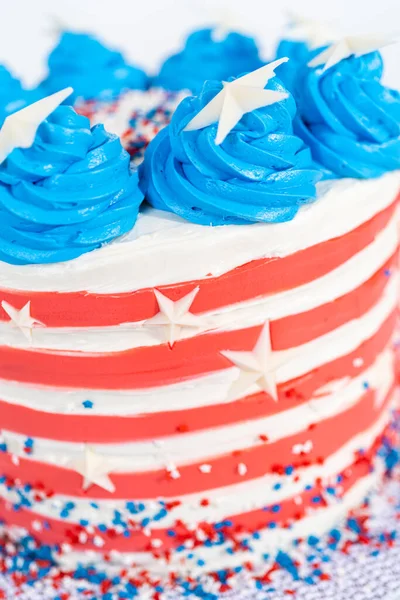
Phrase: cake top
(65,189)
(230,156)
(91,68)
(347,117)
(208,56)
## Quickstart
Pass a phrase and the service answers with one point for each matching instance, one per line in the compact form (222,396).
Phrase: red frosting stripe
(55,531)
(327,437)
(103,429)
(141,367)
(257,278)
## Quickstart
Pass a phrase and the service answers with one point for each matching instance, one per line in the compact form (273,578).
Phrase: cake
(215,381)
(208,54)
(93,70)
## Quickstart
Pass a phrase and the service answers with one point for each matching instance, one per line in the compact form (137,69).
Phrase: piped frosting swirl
(261,172)
(94,71)
(70,193)
(349,119)
(205,57)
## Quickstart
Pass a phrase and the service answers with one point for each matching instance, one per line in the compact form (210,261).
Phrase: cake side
(132,396)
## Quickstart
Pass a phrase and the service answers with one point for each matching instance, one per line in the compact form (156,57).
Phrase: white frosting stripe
(160,240)
(231,500)
(197,446)
(337,283)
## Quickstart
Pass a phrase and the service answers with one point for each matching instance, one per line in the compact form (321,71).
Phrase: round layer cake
(203,388)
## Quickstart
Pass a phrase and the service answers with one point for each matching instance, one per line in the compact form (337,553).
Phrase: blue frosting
(299,55)
(261,172)
(12,95)
(70,193)
(350,121)
(94,71)
(205,58)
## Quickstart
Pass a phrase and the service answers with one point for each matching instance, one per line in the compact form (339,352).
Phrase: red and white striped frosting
(87,374)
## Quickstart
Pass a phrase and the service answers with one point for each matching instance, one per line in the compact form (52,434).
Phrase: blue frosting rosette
(205,57)
(94,71)
(67,194)
(348,118)
(261,172)
(299,54)
(12,95)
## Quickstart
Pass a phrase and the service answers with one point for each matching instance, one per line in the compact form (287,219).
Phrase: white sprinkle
(358,362)
(242,469)
(156,543)
(83,537)
(15,460)
(36,525)
(98,541)
(298,500)
(303,448)
(205,468)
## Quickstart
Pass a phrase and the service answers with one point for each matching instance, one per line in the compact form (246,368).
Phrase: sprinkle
(87,404)
(205,468)
(242,469)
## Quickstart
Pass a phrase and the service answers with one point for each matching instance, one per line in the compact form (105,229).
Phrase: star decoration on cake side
(22,318)
(175,315)
(237,98)
(19,129)
(314,33)
(256,367)
(94,469)
(356,45)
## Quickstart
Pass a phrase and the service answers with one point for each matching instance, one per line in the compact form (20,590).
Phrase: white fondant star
(314,33)
(356,45)
(256,367)
(94,469)
(176,315)
(237,98)
(21,318)
(19,129)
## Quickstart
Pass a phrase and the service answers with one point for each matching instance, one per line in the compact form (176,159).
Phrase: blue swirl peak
(67,194)
(348,118)
(261,171)
(205,57)
(94,71)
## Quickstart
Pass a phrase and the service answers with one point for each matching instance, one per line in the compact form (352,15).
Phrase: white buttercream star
(256,367)
(237,98)
(314,33)
(21,318)
(176,315)
(19,129)
(352,45)
(94,469)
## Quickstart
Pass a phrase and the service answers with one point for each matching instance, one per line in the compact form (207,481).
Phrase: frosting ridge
(349,119)
(261,172)
(94,71)
(69,193)
(204,57)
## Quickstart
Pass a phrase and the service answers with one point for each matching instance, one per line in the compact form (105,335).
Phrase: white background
(147,30)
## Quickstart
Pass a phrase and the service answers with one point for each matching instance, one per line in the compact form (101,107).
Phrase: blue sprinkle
(277,486)
(87,404)
(289,470)
(276,508)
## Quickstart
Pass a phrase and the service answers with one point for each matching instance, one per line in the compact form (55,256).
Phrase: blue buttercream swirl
(69,193)
(94,71)
(261,172)
(299,54)
(12,95)
(205,57)
(350,121)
